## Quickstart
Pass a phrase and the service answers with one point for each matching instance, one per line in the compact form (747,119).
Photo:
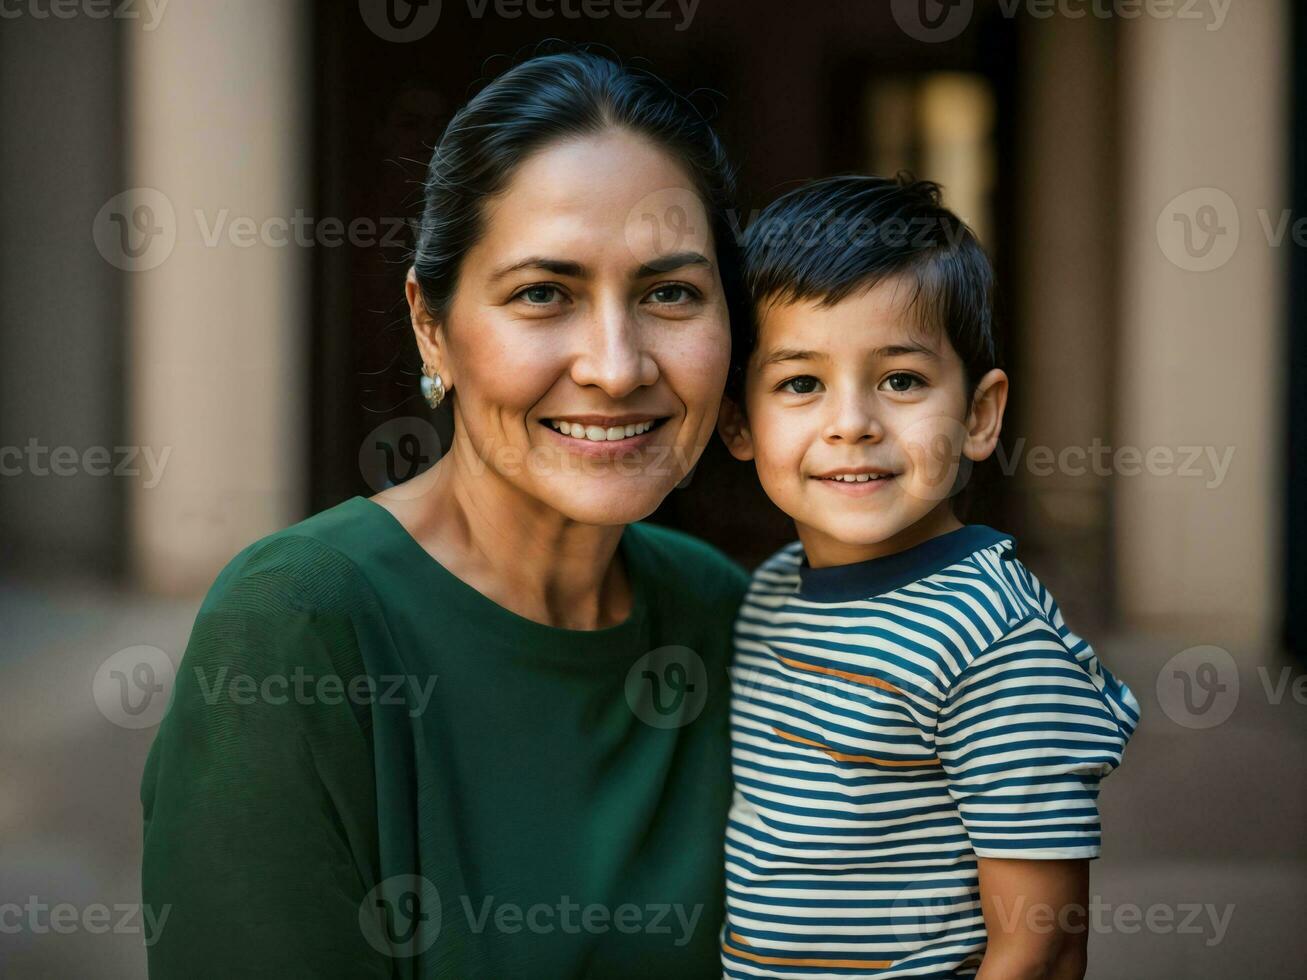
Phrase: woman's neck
(511,547)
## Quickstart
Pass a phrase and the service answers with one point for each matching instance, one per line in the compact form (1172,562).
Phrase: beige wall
(1198,360)
(217,370)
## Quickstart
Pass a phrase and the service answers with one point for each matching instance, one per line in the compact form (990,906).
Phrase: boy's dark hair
(835,237)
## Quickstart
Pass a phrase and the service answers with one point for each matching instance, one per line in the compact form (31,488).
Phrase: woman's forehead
(597,191)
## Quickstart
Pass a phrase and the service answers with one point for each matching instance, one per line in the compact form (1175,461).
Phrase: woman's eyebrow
(559,267)
(666,263)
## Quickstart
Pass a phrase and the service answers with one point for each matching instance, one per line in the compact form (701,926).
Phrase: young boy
(917,736)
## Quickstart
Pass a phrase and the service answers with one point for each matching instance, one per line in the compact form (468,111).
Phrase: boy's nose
(854,422)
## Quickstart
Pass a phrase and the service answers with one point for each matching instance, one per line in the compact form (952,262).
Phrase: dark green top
(365,754)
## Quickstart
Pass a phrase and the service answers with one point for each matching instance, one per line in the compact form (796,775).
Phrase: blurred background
(204,216)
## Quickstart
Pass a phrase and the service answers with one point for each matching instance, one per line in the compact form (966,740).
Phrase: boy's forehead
(881,316)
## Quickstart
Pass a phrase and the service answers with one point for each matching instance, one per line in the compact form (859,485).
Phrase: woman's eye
(672,293)
(901,382)
(541,295)
(804,384)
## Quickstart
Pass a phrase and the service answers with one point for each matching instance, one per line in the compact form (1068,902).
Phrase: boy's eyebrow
(899,350)
(791,354)
(890,350)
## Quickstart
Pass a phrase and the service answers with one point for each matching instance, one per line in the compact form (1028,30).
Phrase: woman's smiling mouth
(599,435)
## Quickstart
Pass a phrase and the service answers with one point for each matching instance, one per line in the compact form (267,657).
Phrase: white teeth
(598,433)
(857,477)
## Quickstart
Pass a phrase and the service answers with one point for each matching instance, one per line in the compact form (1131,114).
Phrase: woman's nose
(614,354)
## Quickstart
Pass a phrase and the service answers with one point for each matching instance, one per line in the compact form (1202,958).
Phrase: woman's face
(587,341)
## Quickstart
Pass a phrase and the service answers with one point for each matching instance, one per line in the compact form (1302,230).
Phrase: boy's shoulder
(979,594)
(780,572)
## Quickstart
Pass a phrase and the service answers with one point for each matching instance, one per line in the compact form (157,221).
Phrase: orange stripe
(845,757)
(800,961)
(866,679)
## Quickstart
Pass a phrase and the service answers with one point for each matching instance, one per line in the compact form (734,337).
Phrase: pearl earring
(433,387)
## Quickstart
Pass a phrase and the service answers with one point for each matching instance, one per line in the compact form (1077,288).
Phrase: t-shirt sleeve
(258,796)
(1025,735)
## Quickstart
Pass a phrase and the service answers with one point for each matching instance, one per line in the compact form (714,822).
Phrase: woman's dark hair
(538,102)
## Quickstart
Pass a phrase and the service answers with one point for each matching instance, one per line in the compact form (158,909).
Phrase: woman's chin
(606,502)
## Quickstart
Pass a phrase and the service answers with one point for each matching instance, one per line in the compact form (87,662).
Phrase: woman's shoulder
(291,608)
(309,565)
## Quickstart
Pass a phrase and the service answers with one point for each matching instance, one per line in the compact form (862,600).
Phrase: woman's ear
(733,427)
(427,331)
(985,420)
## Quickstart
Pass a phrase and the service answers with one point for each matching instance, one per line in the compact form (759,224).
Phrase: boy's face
(859,391)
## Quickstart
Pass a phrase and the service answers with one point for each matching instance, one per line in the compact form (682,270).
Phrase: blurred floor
(1205,820)
(1211,819)
(70,816)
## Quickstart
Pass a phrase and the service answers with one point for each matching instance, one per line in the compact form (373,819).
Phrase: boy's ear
(985,419)
(733,427)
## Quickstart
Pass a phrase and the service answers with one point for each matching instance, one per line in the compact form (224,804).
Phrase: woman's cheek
(510,368)
(696,371)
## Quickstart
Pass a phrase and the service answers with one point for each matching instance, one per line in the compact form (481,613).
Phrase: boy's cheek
(781,477)
(932,452)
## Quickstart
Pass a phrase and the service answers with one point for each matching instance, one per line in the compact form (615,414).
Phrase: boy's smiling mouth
(857,479)
(856,474)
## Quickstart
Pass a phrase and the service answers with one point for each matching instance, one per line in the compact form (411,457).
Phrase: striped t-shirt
(891,721)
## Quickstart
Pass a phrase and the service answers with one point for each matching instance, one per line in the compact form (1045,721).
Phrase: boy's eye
(541,294)
(901,382)
(804,384)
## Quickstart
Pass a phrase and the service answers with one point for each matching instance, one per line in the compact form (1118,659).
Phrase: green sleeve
(258,794)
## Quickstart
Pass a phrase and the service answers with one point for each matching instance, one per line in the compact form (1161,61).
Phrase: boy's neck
(823,550)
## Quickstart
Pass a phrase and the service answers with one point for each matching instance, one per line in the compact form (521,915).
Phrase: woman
(475,726)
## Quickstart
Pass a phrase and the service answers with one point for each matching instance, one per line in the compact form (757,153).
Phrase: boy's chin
(851,529)
(860,533)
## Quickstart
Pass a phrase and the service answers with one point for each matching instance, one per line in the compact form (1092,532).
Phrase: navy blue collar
(876,576)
